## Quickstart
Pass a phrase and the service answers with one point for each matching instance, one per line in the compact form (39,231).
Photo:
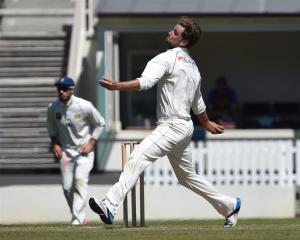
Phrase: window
(138,109)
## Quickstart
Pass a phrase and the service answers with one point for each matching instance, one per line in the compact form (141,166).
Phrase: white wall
(45,203)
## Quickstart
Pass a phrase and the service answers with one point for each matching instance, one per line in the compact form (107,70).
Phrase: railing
(83,27)
(90,18)
(237,163)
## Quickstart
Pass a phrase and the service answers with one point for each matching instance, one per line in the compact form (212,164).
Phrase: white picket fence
(237,163)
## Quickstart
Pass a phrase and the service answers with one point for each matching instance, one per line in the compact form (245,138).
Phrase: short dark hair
(192,30)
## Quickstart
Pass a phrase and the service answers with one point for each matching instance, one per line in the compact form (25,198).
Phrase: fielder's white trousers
(172,138)
(75,176)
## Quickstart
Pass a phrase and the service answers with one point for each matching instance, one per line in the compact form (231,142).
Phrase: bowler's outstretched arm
(110,84)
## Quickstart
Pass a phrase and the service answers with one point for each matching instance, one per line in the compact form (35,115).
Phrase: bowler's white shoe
(231,219)
(102,210)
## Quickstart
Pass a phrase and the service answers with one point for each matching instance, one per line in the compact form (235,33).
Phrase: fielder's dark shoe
(101,209)
(231,219)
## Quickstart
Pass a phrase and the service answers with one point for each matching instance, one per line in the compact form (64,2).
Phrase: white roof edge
(165,7)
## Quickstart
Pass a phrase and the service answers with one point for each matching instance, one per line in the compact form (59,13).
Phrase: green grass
(258,229)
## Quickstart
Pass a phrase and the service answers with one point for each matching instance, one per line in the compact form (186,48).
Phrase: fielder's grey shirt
(74,123)
(178,84)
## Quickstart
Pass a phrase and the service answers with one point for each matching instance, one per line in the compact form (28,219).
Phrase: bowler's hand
(213,127)
(108,83)
(57,151)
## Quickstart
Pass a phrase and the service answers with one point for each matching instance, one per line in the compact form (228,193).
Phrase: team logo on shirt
(77,116)
(180,58)
(185,60)
(58,115)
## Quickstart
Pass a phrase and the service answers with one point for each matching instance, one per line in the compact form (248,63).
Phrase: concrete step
(27,158)
(31,48)
(8,103)
(18,62)
(23,119)
(26,145)
(26,34)
(23,122)
(26,89)
(4,54)
(23,125)
(39,24)
(19,160)
(23,112)
(59,4)
(31,69)
(24,104)
(32,74)
(36,110)
(35,64)
(32,54)
(31,92)
(29,95)
(25,130)
(27,82)
(37,164)
(34,150)
(30,100)
(32,42)
(17,114)
(20,125)
(18,140)
(31,59)
(27,161)
(29,135)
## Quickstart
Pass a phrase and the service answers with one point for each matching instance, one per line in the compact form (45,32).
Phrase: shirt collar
(185,50)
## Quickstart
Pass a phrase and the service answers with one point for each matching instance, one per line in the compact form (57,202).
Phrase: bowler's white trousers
(75,172)
(172,138)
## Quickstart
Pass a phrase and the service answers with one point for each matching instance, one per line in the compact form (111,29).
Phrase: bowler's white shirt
(74,123)
(178,84)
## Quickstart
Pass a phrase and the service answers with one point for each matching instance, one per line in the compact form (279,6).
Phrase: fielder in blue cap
(74,126)
(65,81)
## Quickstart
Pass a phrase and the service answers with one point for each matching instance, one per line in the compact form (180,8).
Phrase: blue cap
(65,81)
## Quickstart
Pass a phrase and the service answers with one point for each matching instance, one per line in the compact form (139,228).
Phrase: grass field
(267,229)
